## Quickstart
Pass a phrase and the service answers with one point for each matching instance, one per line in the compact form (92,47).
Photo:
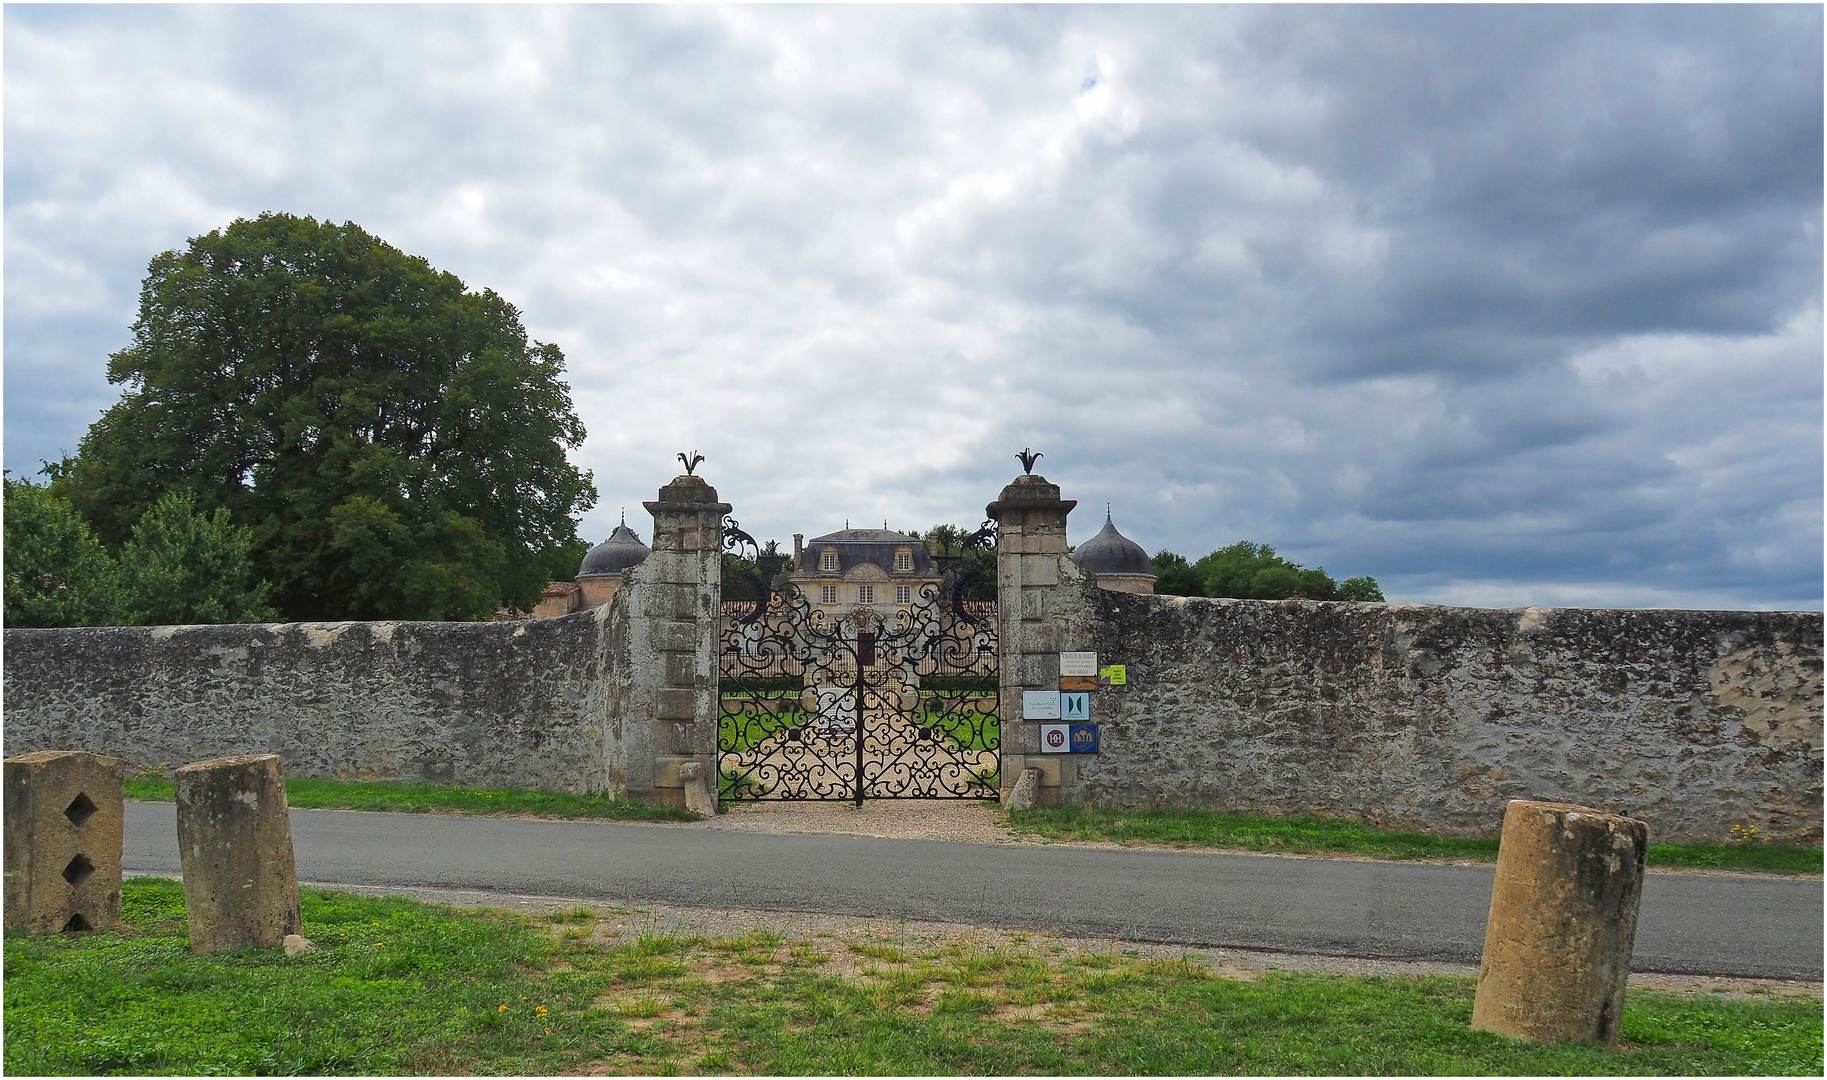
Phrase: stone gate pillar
(1038,589)
(667,617)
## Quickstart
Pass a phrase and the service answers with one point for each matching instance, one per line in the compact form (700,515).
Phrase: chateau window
(828,561)
(903,594)
(827,594)
(865,594)
(903,560)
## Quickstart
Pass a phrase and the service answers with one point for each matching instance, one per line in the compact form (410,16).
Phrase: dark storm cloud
(1503,305)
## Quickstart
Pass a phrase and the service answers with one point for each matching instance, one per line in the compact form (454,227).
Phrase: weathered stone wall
(1432,718)
(495,704)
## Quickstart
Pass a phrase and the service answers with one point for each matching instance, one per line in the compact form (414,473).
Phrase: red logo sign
(1056,738)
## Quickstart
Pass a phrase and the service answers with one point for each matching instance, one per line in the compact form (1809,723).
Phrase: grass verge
(405,987)
(1297,835)
(402,797)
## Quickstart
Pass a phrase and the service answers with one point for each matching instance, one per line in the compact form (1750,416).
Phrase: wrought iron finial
(691,462)
(1027,458)
(624,517)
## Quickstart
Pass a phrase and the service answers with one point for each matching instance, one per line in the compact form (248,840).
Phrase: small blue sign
(1075,706)
(1084,738)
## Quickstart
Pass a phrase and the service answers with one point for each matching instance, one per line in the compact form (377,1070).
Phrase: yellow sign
(1113,675)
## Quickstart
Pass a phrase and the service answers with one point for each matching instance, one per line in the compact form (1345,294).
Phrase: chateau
(842,571)
(862,568)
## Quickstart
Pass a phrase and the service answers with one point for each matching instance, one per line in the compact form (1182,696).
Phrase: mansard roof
(877,547)
(863,536)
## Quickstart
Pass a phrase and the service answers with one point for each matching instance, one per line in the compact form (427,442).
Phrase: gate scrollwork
(860,705)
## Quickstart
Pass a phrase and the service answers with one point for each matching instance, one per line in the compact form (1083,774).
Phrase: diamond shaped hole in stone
(79,810)
(76,925)
(79,870)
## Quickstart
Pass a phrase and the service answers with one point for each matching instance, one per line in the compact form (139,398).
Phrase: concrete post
(673,605)
(1563,921)
(63,842)
(1032,573)
(235,845)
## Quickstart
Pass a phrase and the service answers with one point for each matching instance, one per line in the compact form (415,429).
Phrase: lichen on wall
(1429,717)
(498,704)
(1779,698)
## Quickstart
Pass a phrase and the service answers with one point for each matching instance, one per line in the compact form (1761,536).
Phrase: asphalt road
(1689,923)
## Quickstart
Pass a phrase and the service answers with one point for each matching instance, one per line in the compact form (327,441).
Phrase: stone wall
(1429,717)
(496,704)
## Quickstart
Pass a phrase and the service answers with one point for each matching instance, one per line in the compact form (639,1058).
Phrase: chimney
(799,547)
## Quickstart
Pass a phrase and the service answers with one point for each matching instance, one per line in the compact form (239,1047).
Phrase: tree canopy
(945,543)
(395,443)
(178,566)
(57,573)
(1249,571)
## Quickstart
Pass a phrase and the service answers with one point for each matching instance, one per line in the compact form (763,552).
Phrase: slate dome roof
(616,554)
(1110,552)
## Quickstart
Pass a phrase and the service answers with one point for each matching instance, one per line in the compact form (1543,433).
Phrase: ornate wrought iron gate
(862,705)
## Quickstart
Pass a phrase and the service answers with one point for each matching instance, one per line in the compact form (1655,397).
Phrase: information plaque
(1039,705)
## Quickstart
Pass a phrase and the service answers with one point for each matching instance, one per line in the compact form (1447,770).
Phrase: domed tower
(1115,561)
(600,574)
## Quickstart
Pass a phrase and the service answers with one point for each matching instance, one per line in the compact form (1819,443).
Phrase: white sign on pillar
(1077,663)
(1040,705)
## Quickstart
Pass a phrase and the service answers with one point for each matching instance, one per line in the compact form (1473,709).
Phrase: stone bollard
(63,841)
(699,796)
(1563,920)
(235,843)
(1022,795)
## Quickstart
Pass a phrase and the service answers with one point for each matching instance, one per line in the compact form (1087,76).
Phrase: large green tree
(395,442)
(978,563)
(1250,571)
(184,567)
(57,573)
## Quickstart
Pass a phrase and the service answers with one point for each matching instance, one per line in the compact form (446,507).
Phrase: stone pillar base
(235,845)
(63,842)
(1562,925)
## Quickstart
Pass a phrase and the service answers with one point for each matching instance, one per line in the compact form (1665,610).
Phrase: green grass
(741,730)
(404,987)
(402,797)
(1297,835)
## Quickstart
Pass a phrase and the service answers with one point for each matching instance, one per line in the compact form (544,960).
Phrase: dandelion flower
(502,1009)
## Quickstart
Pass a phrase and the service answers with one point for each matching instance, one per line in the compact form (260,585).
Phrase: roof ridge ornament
(1027,458)
(692,462)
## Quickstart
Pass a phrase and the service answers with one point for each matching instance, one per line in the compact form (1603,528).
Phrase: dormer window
(828,561)
(903,560)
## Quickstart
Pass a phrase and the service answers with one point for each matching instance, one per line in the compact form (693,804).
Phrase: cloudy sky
(1501,305)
